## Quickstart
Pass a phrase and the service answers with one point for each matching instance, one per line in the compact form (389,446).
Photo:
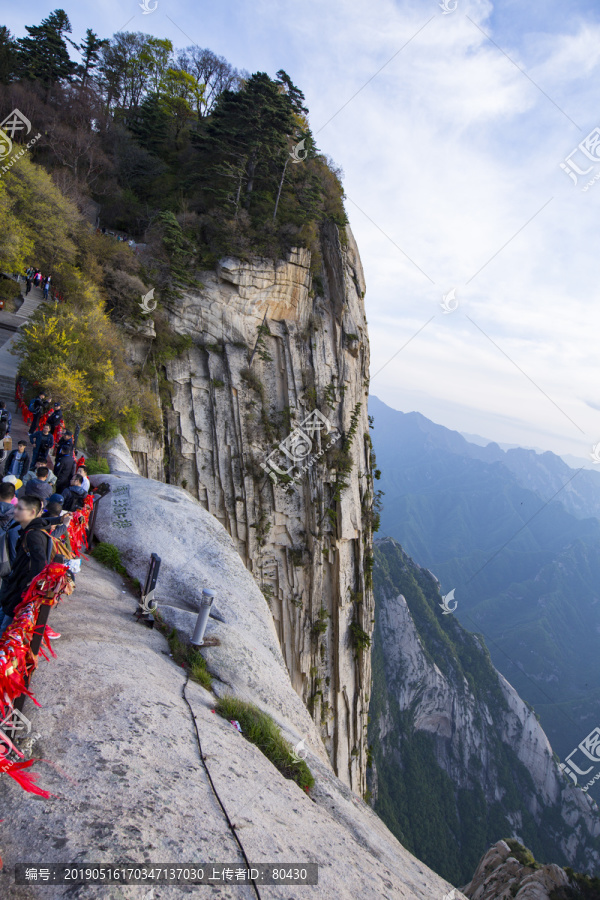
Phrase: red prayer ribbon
(17,662)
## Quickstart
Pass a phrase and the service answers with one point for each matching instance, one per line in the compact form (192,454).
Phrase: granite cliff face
(451,734)
(275,342)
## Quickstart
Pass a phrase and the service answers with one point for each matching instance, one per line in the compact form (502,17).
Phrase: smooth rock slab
(132,788)
(197,553)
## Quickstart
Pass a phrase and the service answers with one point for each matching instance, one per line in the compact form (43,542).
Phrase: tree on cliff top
(43,55)
(246,134)
(146,131)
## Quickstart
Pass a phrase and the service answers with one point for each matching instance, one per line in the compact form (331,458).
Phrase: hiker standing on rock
(36,408)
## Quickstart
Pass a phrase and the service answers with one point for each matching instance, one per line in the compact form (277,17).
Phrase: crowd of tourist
(34,278)
(43,484)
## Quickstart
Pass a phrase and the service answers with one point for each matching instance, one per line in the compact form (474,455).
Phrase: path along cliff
(130,742)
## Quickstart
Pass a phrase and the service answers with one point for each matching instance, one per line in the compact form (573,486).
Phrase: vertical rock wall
(271,344)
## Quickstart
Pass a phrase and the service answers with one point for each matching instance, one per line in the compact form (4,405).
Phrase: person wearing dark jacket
(36,407)
(64,470)
(30,559)
(43,442)
(37,487)
(74,495)
(55,418)
(18,461)
(7,492)
(64,446)
(5,420)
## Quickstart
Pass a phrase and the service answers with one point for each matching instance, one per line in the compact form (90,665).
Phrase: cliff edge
(118,722)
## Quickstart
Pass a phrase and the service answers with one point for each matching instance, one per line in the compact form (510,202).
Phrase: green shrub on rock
(260,729)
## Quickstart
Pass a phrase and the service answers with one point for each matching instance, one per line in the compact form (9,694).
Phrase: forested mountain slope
(459,761)
(526,573)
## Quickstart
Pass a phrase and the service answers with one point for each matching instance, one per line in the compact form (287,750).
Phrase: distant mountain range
(575,462)
(459,761)
(516,534)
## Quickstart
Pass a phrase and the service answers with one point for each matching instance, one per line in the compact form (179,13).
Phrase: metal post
(92,521)
(152,576)
(205,604)
(94,512)
(147,604)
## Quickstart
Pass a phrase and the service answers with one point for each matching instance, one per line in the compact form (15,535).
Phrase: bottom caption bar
(206,873)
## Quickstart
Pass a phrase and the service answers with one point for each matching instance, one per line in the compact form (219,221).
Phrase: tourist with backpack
(74,496)
(17,463)
(46,288)
(31,547)
(36,408)
(30,558)
(42,441)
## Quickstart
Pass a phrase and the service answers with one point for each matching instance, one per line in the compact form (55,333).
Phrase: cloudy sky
(451,129)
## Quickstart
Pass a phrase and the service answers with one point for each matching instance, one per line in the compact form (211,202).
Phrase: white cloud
(450,149)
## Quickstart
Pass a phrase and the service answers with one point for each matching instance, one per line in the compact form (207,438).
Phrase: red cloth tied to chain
(25,779)
(78,526)
(16,659)
(17,662)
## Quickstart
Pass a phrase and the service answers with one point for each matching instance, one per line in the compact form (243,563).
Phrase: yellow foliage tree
(16,245)
(77,354)
(72,349)
(42,221)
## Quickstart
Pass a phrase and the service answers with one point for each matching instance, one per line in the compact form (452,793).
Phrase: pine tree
(90,54)
(43,55)
(249,129)
(8,55)
(294,93)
